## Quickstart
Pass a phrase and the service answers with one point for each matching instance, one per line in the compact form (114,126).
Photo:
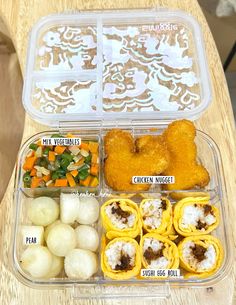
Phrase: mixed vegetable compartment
(61,166)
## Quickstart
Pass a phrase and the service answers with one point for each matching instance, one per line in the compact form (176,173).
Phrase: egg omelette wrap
(120,217)
(158,252)
(156,215)
(121,258)
(195,216)
(200,255)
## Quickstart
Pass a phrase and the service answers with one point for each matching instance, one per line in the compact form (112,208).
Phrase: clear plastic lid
(102,66)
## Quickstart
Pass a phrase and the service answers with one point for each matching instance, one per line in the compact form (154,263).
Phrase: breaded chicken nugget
(179,137)
(125,158)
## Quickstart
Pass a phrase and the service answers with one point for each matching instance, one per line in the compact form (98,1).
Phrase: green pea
(43,162)
(83,174)
(33,146)
(58,162)
(67,156)
(84,167)
(46,151)
(76,178)
(64,163)
(61,172)
(55,176)
(87,159)
(57,135)
(27,179)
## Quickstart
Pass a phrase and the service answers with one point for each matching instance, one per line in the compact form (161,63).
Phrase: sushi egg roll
(121,259)
(195,216)
(158,252)
(120,217)
(156,215)
(200,256)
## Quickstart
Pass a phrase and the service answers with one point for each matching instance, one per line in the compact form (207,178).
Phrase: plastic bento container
(90,72)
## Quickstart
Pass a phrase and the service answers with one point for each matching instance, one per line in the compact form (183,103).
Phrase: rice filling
(152,212)
(201,217)
(121,256)
(199,257)
(153,253)
(120,218)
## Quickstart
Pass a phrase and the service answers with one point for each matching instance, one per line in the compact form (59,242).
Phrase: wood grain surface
(11,89)
(19,16)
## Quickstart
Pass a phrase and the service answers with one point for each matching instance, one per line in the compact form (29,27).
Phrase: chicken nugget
(179,138)
(125,158)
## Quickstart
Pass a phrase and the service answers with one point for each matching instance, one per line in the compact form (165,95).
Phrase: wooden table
(218,122)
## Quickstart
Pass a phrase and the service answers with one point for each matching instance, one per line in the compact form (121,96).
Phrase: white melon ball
(80,264)
(43,211)
(87,238)
(88,210)
(48,228)
(37,261)
(56,267)
(61,239)
(69,207)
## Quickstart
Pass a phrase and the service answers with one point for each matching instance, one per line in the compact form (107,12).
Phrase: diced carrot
(31,154)
(94,158)
(74,173)
(94,169)
(33,172)
(81,161)
(46,178)
(60,149)
(84,146)
(61,182)
(86,181)
(29,163)
(51,156)
(93,147)
(94,182)
(70,180)
(35,182)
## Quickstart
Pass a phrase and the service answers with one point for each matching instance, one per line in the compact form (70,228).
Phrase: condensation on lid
(141,65)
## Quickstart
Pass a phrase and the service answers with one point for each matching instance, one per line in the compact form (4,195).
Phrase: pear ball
(87,238)
(56,267)
(48,228)
(37,261)
(61,239)
(69,207)
(80,264)
(88,210)
(43,211)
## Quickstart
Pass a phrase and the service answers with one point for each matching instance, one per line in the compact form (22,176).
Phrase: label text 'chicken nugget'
(153,179)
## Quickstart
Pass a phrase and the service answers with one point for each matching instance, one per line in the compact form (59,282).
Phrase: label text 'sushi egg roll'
(158,252)
(200,256)
(120,217)
(195,216)
(120,258)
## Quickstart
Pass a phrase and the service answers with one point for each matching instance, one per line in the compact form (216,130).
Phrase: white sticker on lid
(175,273)
(60,141)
